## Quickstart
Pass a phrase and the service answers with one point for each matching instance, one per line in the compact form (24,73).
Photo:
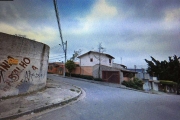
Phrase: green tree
(165,70)
(70,65)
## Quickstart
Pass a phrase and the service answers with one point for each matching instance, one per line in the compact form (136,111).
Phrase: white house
(92,58)
(100,65)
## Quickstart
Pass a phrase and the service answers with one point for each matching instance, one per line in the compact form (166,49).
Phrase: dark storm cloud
(41,12)
(131,29)
(32,11)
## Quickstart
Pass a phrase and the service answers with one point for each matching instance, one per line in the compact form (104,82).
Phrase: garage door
(111,76)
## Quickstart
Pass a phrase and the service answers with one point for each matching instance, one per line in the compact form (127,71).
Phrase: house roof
(137,70)
(126,70)
(97,53)
(56,64)
(120,65)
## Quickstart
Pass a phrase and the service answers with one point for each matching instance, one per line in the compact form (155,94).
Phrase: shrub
(67,74)
(76,75)
(167,82)
(81,76)
(135,83)
(50,73)
(87,77)
(98,79)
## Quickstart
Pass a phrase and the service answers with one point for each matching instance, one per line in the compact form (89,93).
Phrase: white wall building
(92,58)
(107,70)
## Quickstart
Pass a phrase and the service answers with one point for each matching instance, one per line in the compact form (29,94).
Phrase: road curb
(123,87)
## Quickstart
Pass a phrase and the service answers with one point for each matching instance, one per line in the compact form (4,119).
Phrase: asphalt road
(109,103)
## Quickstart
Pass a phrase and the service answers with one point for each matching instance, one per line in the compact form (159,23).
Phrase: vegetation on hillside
(135,83)
(165,70)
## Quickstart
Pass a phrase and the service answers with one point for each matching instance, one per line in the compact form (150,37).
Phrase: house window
(109,60)
(91,59)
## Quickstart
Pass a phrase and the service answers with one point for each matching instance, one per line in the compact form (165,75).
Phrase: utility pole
(99,60)
(135,68)
(64,45)
(64,73)
(100,48)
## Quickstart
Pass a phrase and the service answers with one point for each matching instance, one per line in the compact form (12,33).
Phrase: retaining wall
(23,65)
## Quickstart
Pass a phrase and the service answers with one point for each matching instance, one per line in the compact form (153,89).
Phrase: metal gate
(111,76)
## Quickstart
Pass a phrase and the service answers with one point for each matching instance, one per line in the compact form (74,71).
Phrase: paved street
(110,103)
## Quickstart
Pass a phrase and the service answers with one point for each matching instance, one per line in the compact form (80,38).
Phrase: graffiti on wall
(9,76)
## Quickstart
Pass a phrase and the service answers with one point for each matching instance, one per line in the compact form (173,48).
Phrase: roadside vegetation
(88,77)
(168,71)
(70,66)
(166,83)
(135,83)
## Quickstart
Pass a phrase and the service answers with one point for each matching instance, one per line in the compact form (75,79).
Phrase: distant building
(94,64)
(150,83)
(56,68)
(92,58)
(142,70)
(91,63)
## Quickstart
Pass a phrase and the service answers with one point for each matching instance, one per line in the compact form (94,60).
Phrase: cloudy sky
(130,30)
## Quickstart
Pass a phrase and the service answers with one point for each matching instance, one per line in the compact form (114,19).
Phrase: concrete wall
(23,65)
(146,85)
(125,79)
(142,76)
(84,70)
(103,68)
(155,86)
(77,70)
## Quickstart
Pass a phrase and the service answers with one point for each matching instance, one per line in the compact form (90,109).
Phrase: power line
(55,50)
(56,46)
(59,26)
(56,56)
(58,21)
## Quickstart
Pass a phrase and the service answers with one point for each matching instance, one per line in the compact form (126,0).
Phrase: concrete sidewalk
(55,94)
